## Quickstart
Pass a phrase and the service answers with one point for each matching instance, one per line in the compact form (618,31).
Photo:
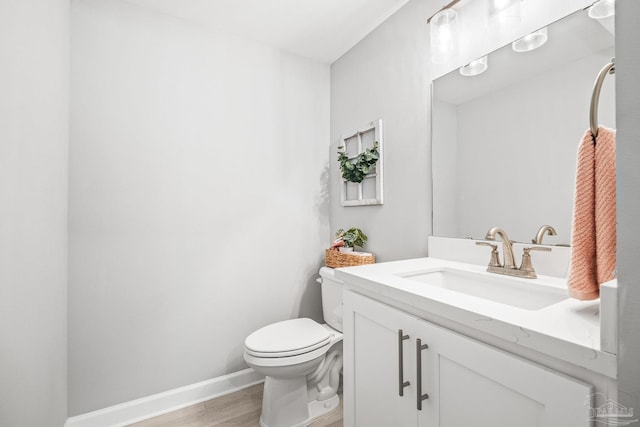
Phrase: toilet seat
(288,338)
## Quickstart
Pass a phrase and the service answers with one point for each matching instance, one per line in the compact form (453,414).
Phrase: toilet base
(315,409)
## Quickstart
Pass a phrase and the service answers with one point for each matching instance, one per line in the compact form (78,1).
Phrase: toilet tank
(331,298)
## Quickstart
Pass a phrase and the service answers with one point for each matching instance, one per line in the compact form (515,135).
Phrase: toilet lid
(287,338)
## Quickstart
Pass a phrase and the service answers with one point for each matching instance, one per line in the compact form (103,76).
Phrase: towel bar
(595,97)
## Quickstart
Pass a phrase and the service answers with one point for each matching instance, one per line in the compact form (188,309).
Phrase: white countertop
(568,330)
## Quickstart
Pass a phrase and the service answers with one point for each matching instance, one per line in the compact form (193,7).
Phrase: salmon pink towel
(593,235)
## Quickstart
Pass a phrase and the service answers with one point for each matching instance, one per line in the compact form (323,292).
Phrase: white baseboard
(147,407)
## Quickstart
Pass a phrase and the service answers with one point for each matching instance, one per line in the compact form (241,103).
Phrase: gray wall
(198,199)
(386,76)
(34,74)
(628,161)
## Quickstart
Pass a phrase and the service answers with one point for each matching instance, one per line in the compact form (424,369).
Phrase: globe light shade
(444,34)
(476,67)
(504,13)
(602,9)
(531,41)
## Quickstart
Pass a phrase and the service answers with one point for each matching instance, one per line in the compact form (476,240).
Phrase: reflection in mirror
(504,142)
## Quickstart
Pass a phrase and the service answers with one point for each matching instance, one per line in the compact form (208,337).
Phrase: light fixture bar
(447,6)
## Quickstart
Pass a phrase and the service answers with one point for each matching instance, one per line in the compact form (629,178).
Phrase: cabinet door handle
(419,396)
(401,382)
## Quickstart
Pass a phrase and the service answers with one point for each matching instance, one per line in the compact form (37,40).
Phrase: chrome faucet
(509,268)
(545,229)
(507,247)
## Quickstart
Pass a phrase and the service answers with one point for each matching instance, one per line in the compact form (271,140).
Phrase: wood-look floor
(239,409)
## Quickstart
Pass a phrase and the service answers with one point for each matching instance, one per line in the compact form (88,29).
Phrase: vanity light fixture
(444,35)
(476,67)
(602,9)
(531,41)
(504,12)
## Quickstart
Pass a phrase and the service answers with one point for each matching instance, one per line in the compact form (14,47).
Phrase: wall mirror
(504,142)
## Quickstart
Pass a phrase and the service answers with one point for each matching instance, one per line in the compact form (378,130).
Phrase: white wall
(198,199)
(628,159)
(386,76)
(34,74)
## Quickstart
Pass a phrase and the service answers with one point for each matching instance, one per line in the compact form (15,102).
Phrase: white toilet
(301,360)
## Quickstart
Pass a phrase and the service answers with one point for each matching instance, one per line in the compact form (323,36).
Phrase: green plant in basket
(354,170)
(352,237)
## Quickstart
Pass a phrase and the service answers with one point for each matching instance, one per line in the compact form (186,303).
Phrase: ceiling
(318,29)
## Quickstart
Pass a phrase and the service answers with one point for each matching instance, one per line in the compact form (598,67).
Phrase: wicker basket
(336,259)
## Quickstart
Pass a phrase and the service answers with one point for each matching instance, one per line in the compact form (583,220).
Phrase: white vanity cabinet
(468,383)
(371,370)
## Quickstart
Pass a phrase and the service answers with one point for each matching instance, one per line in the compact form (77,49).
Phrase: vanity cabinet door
(372,371)
(473,384)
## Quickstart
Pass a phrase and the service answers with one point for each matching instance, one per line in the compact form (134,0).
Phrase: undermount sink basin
(516,292)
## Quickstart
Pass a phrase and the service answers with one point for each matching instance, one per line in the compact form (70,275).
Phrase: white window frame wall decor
(376,176)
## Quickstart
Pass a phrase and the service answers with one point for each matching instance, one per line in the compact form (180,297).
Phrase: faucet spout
(507,248)
(545,229)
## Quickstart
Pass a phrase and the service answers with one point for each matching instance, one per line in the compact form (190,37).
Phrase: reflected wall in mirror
(504,142)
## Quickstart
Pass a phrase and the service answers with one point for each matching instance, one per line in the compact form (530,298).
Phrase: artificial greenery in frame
(356,169)
(361,157)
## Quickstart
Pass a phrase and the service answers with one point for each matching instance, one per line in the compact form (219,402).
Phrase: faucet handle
(495,247)
(495,257)
(526,265)
(536,248)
